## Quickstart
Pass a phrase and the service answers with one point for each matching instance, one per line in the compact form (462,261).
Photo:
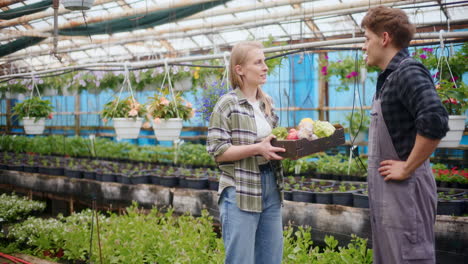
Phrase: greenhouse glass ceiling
(138,30)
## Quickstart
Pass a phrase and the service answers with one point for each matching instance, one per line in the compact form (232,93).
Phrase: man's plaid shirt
(233,123)
(410,104)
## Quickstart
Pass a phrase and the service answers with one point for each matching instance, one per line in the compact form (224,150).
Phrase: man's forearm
(422,150)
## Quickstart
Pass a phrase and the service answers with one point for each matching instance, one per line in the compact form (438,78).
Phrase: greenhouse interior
(107,121)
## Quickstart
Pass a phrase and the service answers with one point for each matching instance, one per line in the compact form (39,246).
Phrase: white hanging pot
(32,127)
(454,135)
(128,128)
(168,130)
(77,4)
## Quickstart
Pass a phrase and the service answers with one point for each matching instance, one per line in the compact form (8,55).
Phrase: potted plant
(127,115)
(455,99)
(33,112)
(167,115)
(450,87)
(358,125)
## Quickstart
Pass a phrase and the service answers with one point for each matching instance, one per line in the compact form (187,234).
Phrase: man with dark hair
(407,122)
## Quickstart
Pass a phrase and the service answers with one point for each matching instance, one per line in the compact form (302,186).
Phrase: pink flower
(454,79)
(348,76)
(188,104)
(423,56)
(157,120)
(104,120)
(50,116)
(164,101)
(324,70)
(133,112)
(354,74)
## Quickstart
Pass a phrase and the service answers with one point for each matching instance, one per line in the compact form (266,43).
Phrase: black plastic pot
(323,198)
(360,200)
(197,183)
(57,171)
(108,177)
(342,198)
(453,207)
(77,174)
(15,167)
(288,195)
(140,179)
(90,175)
(303,196)
(123,178)
(169,181)
(30,169)
(154,179)
(182,182)
(213,184)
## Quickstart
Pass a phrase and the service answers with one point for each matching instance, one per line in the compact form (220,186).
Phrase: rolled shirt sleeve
(219,129)
(419,96)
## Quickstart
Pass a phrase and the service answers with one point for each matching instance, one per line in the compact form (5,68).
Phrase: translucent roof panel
(291,21)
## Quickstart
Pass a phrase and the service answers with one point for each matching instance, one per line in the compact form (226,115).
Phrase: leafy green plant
(358,122)
(15,208)
(163,106)
(123,108)
(346,69)
(33,107)
(449,84)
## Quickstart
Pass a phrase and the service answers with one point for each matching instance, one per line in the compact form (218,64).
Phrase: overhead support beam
(4,3)
(130,12)
(342,8)
(160,62)
(43,14)
(338,9)
(447,16)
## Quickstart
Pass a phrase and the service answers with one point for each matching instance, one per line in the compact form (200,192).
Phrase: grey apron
(402,212)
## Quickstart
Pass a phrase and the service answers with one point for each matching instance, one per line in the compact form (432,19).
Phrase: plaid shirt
(410,104)
(233,123)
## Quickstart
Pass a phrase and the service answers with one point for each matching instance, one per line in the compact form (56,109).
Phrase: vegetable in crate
(280,132)
(323,129)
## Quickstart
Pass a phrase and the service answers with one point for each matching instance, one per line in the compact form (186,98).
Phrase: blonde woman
(250,186)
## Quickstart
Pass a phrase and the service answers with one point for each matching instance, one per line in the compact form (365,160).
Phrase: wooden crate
(303,147)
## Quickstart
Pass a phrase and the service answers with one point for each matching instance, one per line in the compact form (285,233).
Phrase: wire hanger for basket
(167,76)
(225,78)
(442,59)
(126,84)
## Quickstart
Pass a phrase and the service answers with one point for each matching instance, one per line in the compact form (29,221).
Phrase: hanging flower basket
(128,128)
(454,135)
(33,127)
(168,130)
(77,4)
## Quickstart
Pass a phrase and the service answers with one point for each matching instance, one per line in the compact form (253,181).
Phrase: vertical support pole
(77,114)
(71,204)
(8,116)
(323,93)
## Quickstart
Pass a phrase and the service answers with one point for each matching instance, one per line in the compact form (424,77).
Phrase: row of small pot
(209,180)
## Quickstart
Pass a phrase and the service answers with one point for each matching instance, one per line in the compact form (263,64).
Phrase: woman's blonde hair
(238,57)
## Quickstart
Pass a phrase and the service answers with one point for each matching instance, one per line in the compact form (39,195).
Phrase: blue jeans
(253,237)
